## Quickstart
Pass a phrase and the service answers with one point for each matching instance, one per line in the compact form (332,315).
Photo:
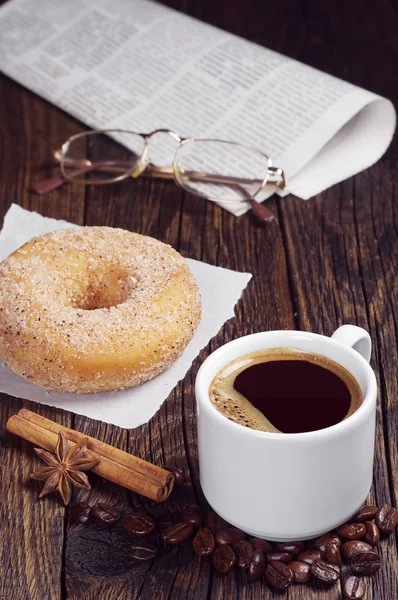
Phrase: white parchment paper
(220,289)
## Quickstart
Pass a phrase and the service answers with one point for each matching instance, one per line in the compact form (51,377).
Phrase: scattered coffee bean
(310,556)
(365,563)
(283,557)
(293,548)
(216,523)
(224,559)
(106,514)
(332,554)
(322,541)
(262,545)
(243,550)
(278,575)
(179,474)
(325,572)
(351,531)
(349,549)
(300,570)
(366,513)
(257,565)
(192,514)
(354,588)
(142,551)
(359,535)
(139,524)
(80,512)
(204,543)
(386,518)
(372,536)
(229,536)
(178,533)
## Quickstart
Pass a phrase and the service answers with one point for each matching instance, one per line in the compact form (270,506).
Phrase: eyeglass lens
(220,171)
(94,157)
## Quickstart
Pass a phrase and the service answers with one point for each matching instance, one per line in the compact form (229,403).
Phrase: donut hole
(106,292)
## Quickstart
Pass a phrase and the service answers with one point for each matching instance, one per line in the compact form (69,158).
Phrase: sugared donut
(95,309)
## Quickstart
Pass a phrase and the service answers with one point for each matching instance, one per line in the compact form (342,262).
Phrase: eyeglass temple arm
(260,211)
(47,185)
(275,175)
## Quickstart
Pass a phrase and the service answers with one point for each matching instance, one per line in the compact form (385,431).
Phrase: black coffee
(286,391)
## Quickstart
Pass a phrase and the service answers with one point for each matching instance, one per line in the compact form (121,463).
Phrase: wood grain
(322,263)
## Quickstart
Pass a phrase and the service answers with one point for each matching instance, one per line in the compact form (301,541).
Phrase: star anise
(65,468)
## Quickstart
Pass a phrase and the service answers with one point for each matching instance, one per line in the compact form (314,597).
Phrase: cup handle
(356,337)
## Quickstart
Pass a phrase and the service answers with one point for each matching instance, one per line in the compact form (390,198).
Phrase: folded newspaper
(138,65)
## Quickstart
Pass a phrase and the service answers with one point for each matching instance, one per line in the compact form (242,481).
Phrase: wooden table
(322,263)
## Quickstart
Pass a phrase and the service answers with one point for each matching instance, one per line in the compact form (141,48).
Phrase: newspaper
(138,65)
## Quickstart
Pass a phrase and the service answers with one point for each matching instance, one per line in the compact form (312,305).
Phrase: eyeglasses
(224,172)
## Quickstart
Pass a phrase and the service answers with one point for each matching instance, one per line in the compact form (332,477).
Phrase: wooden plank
(344,282)
(31,566)
(152,210)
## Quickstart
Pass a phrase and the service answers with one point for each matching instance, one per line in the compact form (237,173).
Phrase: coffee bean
(322,541)
(349,549)
(180,477)
(386,518)
(80,512)
(351,531)
(354,588)
(366,513)
(262,545)
(204,543)
(293,548)
(372,536)
(243,550)
(300,570)
(142,551)
(192,514)
(178,533)
(257,565)
(139,524)
(216,523)
(278,575)
(283,557)
(332,554)
(224,559)
(229,536)
(310,556)
(325,572)
(106,514)
(365,563)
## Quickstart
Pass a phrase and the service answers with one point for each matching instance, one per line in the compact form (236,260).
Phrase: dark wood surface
(322,263)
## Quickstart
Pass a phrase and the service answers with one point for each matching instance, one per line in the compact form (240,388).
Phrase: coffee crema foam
(239,409)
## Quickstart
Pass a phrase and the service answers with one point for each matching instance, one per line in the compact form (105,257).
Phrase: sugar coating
(95,309)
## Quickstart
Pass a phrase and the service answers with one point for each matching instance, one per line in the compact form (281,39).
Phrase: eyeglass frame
(274,175)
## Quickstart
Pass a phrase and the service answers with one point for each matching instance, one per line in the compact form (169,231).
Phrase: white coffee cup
(285,487)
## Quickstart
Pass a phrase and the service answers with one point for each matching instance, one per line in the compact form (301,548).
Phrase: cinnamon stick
(108,468)
(157,474)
